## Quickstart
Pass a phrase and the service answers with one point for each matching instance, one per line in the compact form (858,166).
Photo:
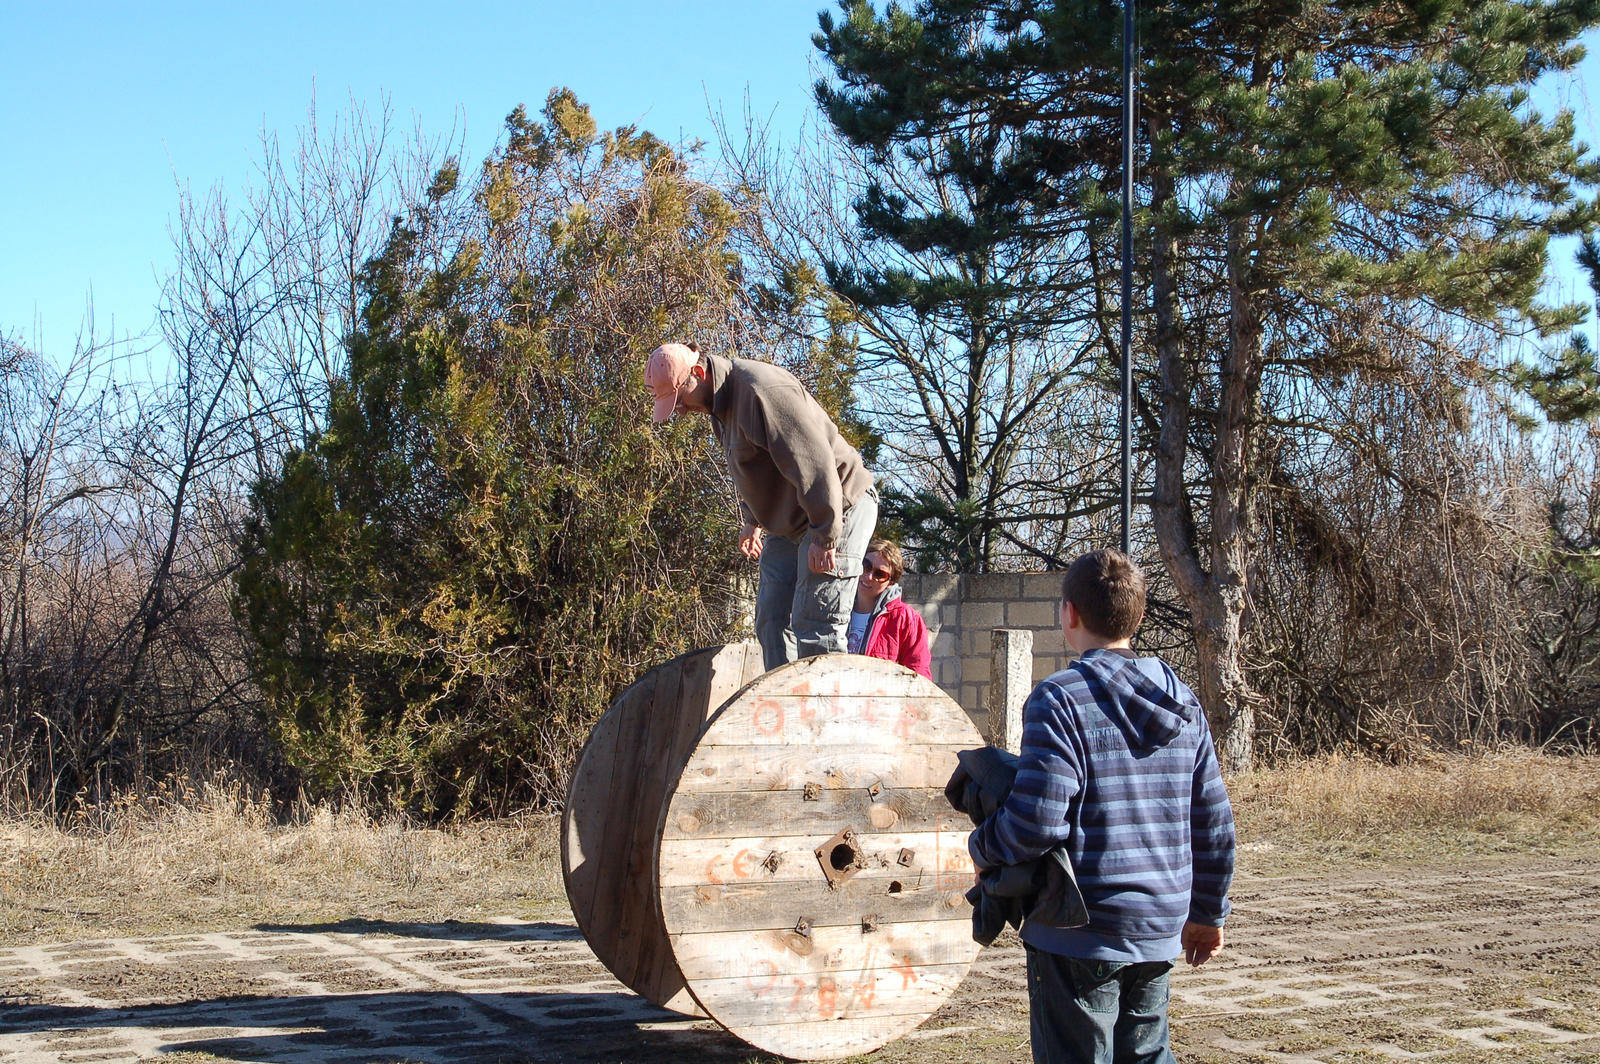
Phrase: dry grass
(1435,810)
(211,858)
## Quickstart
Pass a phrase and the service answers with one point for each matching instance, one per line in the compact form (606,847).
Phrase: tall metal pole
(1127,275)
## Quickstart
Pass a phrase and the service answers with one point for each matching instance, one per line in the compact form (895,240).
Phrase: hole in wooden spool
(840,857)
(895,887)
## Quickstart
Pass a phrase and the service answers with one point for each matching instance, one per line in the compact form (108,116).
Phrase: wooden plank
(780,906)
(614,805)
(625,907)
(671,715)
(689,862)
(673,703)
(614,829)
(790,718)
(732,814)
(801,1002)
(831,1041)
(745,954)
(850,674)
(584,811)
(707,682)
(753,768)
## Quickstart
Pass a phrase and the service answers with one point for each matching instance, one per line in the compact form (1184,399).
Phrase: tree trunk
(1214,591)
(1231,703)
(1224,692)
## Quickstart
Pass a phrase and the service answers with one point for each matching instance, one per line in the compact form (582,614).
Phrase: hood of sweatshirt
(1145,698)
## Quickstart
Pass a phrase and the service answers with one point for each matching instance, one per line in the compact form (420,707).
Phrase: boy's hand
(1201,942)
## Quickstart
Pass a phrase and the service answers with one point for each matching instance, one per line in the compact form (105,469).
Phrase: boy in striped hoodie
(1118,766)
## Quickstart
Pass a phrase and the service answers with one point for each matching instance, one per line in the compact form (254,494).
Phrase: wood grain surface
(777,768)
(771,947)
(619,789)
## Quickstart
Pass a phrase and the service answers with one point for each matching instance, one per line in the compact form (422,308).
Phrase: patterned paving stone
(1481,963)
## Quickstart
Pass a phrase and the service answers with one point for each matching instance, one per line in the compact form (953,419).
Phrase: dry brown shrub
(1431,807)
(212,855)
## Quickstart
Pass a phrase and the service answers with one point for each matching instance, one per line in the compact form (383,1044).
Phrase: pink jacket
(896,633)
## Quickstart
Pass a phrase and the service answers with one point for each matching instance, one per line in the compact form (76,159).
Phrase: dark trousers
(1097,1012)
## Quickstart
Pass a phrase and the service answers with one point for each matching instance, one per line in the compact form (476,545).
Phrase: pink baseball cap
(665,375)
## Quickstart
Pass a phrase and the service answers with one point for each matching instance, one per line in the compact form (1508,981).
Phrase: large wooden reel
(812,875)
(619,789)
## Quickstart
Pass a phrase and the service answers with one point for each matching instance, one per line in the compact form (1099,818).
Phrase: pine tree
(970,273)
(1335,192)
(1346,173)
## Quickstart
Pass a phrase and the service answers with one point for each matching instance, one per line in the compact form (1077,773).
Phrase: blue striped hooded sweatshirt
(1117,764)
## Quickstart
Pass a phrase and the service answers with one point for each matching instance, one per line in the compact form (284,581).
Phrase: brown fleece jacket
(792,469)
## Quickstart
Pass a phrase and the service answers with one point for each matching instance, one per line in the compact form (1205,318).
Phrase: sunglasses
(867,569)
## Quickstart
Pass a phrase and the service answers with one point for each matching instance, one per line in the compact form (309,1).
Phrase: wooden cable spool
(811,874)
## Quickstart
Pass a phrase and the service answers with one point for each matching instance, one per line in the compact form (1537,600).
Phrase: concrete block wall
(961,611)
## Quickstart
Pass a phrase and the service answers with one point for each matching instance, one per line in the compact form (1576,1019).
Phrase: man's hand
(750,538)
(822,559)
(1201,942)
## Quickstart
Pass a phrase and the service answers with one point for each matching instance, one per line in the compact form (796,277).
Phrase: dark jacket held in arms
(1041,891)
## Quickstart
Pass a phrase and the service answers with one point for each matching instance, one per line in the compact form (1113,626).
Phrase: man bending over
(803,492)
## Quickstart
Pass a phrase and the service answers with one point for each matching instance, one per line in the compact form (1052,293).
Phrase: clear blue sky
(103,107)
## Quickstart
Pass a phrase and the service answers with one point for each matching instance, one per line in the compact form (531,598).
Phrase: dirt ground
(1448,914)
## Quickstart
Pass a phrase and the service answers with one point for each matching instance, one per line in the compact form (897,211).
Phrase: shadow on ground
(451,930)
(432,1026)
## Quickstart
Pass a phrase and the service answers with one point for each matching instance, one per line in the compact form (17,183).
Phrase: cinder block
(1031,614)
(970,698)
(978,640)
(1041,586)
(1045,665)
(1049,641)
(950,616)
(980,720)
(991,587)
(944,645)
(931,587)
(982,614)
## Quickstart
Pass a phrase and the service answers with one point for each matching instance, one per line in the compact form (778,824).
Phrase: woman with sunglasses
(882,625)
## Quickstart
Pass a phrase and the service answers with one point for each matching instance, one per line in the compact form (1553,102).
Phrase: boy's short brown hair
(890,552)
(1107,589)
